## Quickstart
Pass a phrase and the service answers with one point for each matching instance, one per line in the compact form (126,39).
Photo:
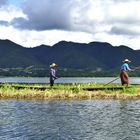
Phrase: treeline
(62,73)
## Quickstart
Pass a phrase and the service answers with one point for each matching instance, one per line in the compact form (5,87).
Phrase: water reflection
(66,120)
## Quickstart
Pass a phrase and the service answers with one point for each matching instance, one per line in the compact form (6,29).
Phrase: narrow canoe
(104,88)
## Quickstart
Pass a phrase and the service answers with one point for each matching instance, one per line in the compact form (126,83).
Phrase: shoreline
(68,92)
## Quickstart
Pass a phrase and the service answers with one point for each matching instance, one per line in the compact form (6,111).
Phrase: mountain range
(73,59)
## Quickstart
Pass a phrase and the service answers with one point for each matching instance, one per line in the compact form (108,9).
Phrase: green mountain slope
(93,58)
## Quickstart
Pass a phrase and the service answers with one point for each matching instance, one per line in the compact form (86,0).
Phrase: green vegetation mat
(69,91)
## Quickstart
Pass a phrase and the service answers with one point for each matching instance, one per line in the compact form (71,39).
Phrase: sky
(31,23)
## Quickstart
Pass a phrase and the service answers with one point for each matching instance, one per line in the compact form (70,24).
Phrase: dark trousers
(51,82)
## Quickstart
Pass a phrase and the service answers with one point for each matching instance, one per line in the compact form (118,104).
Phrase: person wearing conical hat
(124,72)
(53,77)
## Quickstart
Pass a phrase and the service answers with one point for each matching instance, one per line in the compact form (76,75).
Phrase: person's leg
(51,83)
(124,78)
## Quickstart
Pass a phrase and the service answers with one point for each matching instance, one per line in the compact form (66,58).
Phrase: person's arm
(128,68)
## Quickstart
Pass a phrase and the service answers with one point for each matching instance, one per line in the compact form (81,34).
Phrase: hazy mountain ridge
(92,57)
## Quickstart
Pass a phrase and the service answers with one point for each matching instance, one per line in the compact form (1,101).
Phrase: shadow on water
(67,120)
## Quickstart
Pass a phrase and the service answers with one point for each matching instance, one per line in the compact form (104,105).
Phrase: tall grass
(65,91)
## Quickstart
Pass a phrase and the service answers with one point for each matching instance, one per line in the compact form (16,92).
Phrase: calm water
(43,80)
(70,120)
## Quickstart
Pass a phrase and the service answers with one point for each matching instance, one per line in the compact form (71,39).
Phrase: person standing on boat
(53,77)
(124,72)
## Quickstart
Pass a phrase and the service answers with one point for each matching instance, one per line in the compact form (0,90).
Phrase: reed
(65,92)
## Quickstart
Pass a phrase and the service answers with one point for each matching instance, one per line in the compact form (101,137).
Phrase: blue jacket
(125,67)
(52,74)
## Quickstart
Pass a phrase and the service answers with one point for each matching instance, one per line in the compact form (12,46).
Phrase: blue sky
(34,22)
(16,2)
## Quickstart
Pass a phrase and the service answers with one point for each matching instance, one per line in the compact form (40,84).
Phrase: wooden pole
(112,81)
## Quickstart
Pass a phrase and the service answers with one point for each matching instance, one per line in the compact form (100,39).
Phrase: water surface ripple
(70,120)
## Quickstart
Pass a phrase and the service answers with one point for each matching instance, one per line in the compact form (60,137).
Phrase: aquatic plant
(67,91)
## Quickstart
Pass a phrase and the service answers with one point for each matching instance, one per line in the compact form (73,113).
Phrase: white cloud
(8,13)
(124,12)
(45,15)
(35,38)
(50,21)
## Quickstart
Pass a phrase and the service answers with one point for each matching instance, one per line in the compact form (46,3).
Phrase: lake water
(43,80)
(70,120)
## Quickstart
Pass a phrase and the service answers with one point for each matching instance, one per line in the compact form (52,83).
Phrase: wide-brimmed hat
(126,60)
(53,65)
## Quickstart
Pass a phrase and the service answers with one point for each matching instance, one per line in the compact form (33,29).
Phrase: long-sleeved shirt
(125,67)
(52,74)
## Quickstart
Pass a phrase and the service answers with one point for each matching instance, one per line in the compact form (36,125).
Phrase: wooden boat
(104,88)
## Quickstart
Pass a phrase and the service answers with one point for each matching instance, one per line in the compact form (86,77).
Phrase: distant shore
(68,92)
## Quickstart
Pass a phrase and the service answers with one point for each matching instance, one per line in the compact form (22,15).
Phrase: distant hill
(14,55)
(95,58)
